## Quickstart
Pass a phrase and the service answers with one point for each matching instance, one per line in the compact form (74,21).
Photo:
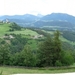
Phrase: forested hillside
(34,47)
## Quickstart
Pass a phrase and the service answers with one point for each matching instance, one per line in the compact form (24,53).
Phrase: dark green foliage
(14,26)
(67,58)
(4,54)
(57,47)
(2,41)
(28,57)
(16,59)
(19,52)
(69,35)
(46,50)
(18,43)
(67,46)
(51,53)
(24,58)
(58,63)
(73,54)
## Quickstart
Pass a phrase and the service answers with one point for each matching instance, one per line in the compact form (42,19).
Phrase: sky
(44,7)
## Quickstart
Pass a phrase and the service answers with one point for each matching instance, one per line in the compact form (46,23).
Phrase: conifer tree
(57,48)
(46,50)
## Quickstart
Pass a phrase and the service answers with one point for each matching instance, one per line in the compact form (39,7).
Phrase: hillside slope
(8,28)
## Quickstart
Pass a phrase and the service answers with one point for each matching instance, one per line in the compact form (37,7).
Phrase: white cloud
(11,7)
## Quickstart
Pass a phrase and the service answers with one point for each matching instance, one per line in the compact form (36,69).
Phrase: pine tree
(46,50)
(4,54)
(57,48)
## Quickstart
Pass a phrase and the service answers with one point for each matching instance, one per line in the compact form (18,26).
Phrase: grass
(4,28)
(25,32)
(1,72)
(11,70)
(51,32)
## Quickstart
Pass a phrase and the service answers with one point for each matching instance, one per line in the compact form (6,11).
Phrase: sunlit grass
(11,70)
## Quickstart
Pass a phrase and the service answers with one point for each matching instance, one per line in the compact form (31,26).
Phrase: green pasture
(12,70)
(25,32)
(4,28)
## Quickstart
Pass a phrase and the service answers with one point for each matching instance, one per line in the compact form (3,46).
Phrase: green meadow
(4,28)
(12,70)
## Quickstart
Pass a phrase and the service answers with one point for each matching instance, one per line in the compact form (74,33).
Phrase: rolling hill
(6,28)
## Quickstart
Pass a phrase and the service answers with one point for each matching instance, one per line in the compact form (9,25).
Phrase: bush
(58,63)
(67,58)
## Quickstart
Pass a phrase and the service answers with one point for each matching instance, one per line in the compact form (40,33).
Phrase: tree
(46,52)
(28,56)
(57,48)
(67,58)
(4,54)
(14,26)
(16,59)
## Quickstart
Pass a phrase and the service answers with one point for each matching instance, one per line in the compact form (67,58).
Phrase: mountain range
(54,20)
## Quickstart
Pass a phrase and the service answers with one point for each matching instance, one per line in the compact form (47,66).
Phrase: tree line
(49,53)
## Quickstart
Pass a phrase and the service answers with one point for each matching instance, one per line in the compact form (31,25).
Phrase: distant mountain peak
(40,15)
(59,16)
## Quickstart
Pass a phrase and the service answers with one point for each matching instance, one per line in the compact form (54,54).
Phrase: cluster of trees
(49,53)
(18,43)
(14,26)
(52,54)
(25,57)
(69,35)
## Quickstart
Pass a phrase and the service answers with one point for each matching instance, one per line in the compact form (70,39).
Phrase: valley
(36,43)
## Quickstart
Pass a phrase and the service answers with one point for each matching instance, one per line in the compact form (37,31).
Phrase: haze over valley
(54,21)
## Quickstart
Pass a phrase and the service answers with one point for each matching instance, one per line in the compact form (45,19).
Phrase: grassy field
(4,28)
(9,70)
(25,32)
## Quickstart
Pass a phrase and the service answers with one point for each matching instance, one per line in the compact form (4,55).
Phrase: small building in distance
(37,36)
(7,21)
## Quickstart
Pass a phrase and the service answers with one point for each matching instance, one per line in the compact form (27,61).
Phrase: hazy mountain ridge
(18,16)
(54,19)
(59,17)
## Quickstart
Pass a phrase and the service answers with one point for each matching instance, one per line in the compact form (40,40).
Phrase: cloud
(11,7)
